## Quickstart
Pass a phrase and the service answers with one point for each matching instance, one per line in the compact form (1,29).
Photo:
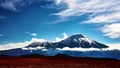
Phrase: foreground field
(56,62)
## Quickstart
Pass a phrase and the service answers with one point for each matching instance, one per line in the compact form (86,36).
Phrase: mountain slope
(79,40)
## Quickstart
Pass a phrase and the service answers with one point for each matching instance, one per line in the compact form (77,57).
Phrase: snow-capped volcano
(73,41)
(79,40)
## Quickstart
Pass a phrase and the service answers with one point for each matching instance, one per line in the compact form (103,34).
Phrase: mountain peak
(78,36)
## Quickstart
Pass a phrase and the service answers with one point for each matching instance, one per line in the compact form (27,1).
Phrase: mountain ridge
(77,40)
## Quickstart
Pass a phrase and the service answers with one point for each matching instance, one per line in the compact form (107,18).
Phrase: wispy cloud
(15,5)
(111,30)
(80,7)
(9,5)
(64,37)
(99,12)
(2,18)
(104,18)
(31,34)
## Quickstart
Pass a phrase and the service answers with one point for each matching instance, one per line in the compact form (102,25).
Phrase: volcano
(73,41)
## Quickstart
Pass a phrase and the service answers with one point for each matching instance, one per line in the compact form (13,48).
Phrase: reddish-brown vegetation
(56,62)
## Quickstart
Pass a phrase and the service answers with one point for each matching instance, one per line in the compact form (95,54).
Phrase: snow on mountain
(74,41)
(79,40)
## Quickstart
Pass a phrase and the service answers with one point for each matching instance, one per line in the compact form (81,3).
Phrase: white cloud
(19,44)
(99,12)
(78,7)
(31,34)
(37,40)
(1,35)
(33,48)
(64,37)
(79,49)
(112,30)
(105,18)
(13,45)
(72,5)
(114,46)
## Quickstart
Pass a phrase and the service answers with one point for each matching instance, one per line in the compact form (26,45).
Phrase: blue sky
(23,20)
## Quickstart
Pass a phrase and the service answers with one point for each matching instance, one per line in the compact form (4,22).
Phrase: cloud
(70,10)
(1,35)
(37,40)
(105,18)
(15,5)
(31,34)
(98,12)
(79,49)
(79,7)
(19,44)
(112,30)
(114,46)
(9,5)
(64,37)
(34,48)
